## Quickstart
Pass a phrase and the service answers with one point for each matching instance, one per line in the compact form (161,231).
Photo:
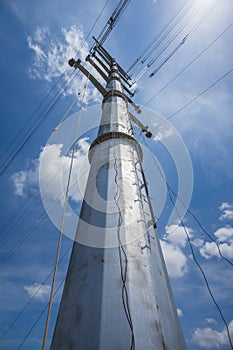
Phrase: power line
(22,213)
(62,226)
(31,229)
(171,191)
(141,58)
(196,97)
(32,298)
(201,226)
(203,274)
(195,218)
(168,43)
(153,60)
(38,318)
(14,223)
(93,26)
(199,95)
(161,65)
(112,21)
(54,103)
(189,64)
(34,128)
(18,148)
(192,250)
(31,116)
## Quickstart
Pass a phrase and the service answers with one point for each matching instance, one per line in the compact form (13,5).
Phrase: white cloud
(163,134)
(210,249)
(224,233)
(51,55)
(172,243)
(37,49)
(211,320)
(198,242)
(179,312)
(227,211)
(19,179)
(227,215)
(38,290)
(54,165)
(211,338)
(25,179)
(225,205)
(224,237)
(176,235)
(175,259)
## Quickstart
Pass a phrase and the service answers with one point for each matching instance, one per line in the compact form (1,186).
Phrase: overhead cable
(112,21)
(161,65)
(93,26)
(38,318)
(20,241)
(193,253)
(61,227)
(31,131)
(199,95)
(33,297)
(189,64)
(31,116)
(178,30)
(153,60)
(47,108)
(171,22)
(171,191)
(203,274)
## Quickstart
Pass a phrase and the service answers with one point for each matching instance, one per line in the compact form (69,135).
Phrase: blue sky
(37,39)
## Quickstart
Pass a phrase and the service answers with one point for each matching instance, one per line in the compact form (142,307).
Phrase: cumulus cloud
(55,169)
(227,211)
(176,235)
(38,290)
(210,249)
(19,179)
(179,312)
(211,321)
(210,338)
(51,55)
(175,259)
(172,243)
(166,132)
(24,181)
(197,242)
(224,233)
(224,237)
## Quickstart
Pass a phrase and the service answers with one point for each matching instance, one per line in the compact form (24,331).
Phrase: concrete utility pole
(117,298)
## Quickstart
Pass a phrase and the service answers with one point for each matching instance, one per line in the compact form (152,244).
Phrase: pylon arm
(101,63)
(77,64)
(140,125)
(103,75)
(99,70)
(99,87)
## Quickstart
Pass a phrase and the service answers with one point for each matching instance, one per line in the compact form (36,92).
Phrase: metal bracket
(140,125)
(99,70)
(99,87)
(77,64)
